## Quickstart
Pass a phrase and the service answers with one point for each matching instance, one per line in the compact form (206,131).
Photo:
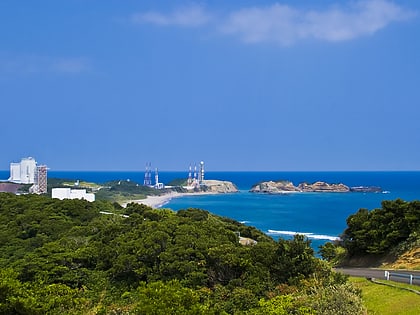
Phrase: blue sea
(320,216)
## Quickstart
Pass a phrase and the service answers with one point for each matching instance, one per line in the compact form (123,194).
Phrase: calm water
(322,216)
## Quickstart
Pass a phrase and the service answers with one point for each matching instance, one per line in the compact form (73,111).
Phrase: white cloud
(188,17)
(285,24)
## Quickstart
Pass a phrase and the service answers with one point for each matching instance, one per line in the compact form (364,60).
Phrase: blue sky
(242,85)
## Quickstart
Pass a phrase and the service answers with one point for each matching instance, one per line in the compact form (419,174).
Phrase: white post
(386,275)
(411,279)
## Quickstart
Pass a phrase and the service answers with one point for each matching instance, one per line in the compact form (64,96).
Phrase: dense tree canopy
(69,257)
(379,230)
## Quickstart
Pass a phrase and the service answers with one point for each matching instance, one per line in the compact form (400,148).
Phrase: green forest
(74,257)
(388,231)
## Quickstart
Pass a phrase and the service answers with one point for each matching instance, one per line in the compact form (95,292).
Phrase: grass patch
(82,184)
(384,300)
(119,197)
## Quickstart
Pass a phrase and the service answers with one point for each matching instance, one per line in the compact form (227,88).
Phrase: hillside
(410,259)
(387,236)
(76,257)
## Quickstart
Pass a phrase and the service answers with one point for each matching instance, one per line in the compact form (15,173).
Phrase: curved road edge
(379,274)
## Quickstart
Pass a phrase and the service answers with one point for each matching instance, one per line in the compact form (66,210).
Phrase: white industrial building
(23,172)
(67,193)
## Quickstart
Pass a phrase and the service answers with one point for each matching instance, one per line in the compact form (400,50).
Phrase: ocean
(320,216)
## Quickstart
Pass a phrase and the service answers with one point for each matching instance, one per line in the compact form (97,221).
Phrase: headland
(208,187)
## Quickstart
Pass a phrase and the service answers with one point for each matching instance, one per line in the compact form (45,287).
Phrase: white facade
(23,172)
(67,193)
(14,172)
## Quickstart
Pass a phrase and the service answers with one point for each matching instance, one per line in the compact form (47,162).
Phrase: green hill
(380,236)
(76,257)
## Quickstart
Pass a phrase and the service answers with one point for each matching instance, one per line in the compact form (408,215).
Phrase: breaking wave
(308,235)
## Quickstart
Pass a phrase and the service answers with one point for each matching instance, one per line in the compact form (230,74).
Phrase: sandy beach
(159,201)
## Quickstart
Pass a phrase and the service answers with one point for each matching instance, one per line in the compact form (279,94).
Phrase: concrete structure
(40,185)
(23,172)
(67,193)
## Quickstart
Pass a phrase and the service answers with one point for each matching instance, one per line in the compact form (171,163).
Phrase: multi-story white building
(23,172)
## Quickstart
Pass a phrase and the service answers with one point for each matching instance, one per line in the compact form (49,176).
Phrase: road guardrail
(410,278)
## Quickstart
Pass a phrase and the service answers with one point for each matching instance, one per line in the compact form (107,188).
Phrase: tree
(294,259)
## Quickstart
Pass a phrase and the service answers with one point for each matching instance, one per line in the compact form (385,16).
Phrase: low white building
(67,193)
(23,172)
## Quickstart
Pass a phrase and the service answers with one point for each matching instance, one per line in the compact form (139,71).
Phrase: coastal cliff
(219,186)
(279,187)
(272,187)
(323,187)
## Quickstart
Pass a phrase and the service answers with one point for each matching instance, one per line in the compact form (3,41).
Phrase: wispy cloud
(34,64)
(285,24)
(192,16)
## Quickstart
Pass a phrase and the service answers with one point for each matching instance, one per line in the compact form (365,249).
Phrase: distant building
(40,185)
(23,172)
(67,193)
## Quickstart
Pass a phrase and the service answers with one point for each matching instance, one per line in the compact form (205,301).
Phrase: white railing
(410,278)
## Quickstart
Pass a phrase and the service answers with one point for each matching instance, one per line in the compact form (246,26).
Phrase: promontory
(218,186)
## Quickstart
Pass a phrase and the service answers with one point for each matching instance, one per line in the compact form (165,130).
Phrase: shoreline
(156,202)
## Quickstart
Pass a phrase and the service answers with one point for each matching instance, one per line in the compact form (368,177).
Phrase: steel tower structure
(190,181)
(148,175)
(201,179)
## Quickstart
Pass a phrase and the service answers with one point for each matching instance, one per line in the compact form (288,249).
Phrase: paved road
(379,274)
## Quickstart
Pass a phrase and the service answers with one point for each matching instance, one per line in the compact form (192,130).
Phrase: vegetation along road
(379,274)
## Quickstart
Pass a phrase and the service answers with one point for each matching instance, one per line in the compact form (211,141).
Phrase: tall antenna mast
(189,182)
(201,172)
(148,175)
(156,177)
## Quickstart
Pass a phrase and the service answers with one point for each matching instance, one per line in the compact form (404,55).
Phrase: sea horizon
(319,216)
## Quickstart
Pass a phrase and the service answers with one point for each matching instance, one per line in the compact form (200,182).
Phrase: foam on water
(309,235)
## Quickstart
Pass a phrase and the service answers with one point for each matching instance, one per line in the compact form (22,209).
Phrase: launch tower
(148,175)
(201,179)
